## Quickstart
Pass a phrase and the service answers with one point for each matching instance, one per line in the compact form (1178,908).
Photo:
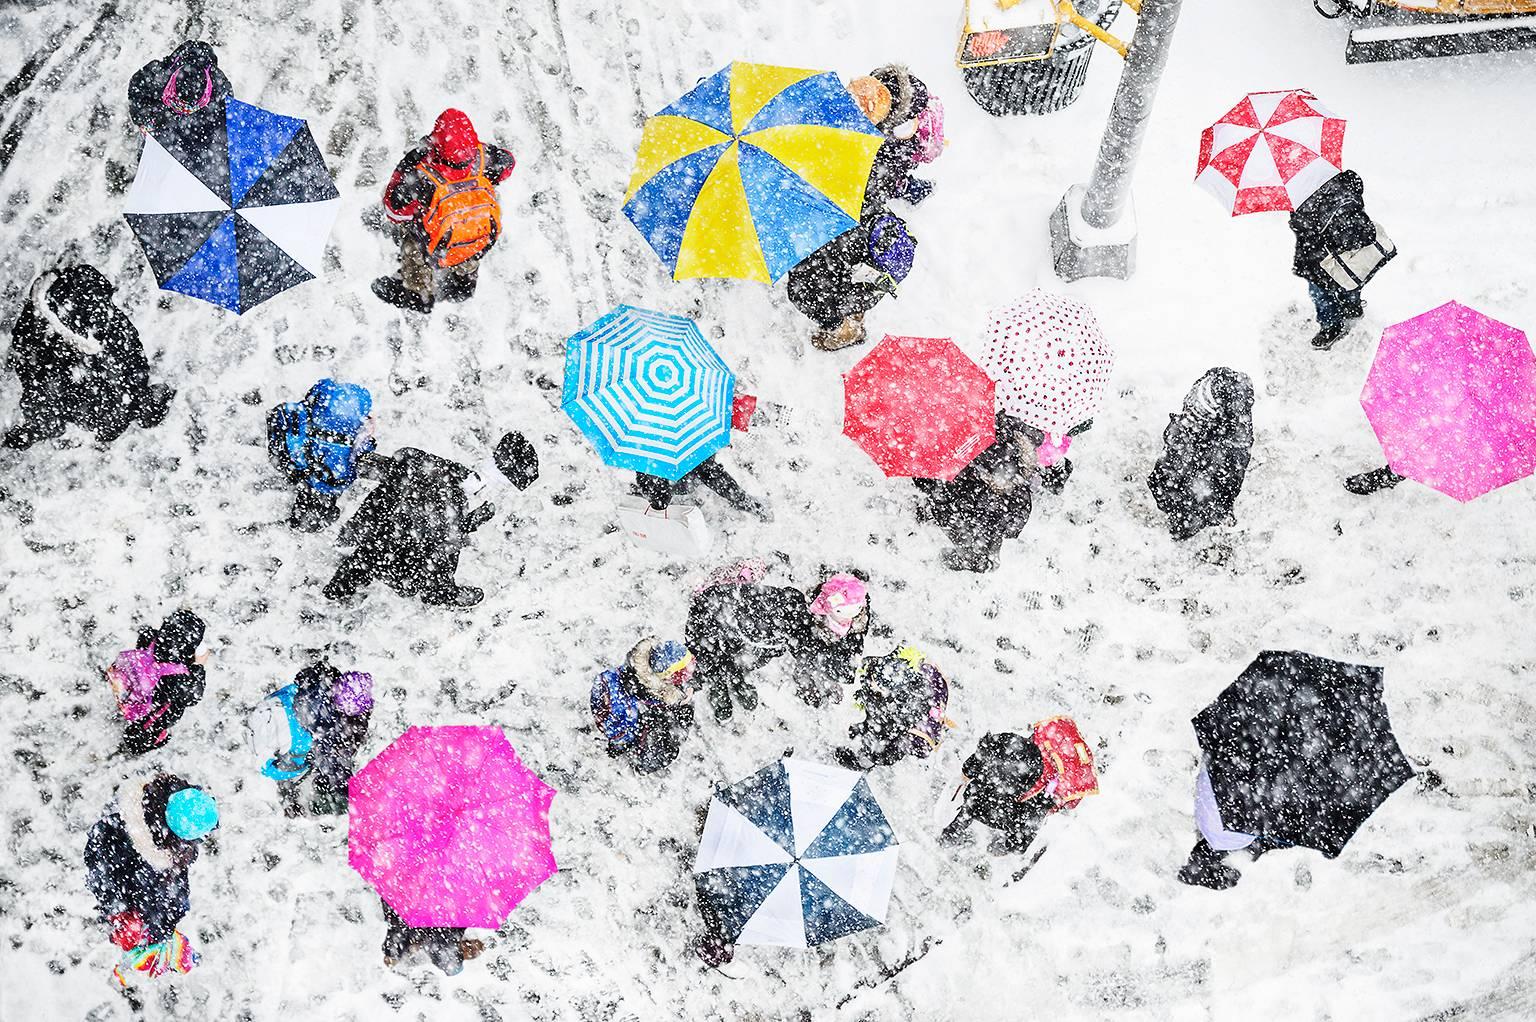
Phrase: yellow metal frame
(1066,12)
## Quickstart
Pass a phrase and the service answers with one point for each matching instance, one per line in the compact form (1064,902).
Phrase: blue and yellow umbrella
(751,172)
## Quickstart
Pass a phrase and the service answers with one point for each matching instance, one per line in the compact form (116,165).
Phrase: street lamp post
(1093,230)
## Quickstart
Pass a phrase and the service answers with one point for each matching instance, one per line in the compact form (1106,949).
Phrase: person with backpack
(443,197)
(904,697)
(912,120)
(987,502)
(412,526)
(736,624)
(1012,782)
(839,283)
(642,707)
(1206,450)
(311,730)
(185,90)
(1332,221)
(137,858)
(317,443)
(1207,862)
(156,682)
(445,946)
(659,491)
(79,360)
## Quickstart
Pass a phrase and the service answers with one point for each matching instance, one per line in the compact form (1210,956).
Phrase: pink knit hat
(839,601)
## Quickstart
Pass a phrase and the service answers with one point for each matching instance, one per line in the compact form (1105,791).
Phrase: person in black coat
(1206,449)
(80,361)
(999,775)
(445,946)
(659,491)
(890,177)
(137,857)
(839,282)
(987,502)
(410,529)
(334,708)
(175,642)
(186,89)
(735,628)
(1330,221)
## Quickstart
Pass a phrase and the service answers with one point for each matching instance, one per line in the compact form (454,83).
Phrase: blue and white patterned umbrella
(797,854)
(648,391)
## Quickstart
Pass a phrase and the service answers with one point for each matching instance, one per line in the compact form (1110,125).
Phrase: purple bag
(135,675)
(891,248)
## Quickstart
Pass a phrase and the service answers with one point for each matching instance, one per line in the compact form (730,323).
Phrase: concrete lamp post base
(1079,250)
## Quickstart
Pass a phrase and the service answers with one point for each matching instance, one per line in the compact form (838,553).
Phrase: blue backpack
(615,709)
(891,248)
(320,438)
(279,736)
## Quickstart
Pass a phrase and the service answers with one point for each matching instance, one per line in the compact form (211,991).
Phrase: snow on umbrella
(1270,152)
(1300,750)
(237,215)
(795,855)
(919,407)
(450,827)
(750,172)
(648,391)
(1050,359)
(1452,398)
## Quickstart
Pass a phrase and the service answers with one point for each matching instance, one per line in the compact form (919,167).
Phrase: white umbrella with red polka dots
(1050,360)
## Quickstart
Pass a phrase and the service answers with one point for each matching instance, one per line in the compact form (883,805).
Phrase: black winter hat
(80,284)
(178,638)
(516,459)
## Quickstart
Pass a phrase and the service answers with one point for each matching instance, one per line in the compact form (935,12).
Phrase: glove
(887,283)
(128,930)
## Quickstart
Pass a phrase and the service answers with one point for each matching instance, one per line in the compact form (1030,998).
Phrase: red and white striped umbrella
(1270,152)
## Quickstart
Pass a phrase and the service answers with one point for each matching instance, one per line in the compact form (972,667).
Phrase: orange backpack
(1068,775)
(463,218)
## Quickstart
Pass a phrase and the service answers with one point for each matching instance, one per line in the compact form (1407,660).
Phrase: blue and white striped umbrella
(648,391)
(795,855)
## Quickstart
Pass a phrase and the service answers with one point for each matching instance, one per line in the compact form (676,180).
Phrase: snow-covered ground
(1096,612)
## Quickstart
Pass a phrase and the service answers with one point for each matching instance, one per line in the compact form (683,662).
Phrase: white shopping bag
(680,529)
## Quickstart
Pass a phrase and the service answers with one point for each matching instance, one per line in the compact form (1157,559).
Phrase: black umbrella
(1300,750)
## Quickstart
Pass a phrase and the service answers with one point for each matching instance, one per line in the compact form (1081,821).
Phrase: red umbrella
(919,407)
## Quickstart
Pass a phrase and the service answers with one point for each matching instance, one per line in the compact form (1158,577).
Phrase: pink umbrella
(1270,152)
(1050,360)
(1452,398)
(450,827)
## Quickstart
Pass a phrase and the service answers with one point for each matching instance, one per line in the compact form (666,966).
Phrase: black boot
(1208,868)
(155,406)
(965,559)
(745,693)
(1328,336)
(458,287)
(393,292)
(456,596)
(1382,478)
(719,694)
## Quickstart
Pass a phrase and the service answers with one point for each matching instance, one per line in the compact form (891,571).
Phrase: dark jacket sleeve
(408,192)
(498,163)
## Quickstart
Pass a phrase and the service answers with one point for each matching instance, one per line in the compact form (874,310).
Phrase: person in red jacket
(443,196)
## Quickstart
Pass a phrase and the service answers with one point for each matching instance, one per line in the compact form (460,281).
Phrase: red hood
(453,138)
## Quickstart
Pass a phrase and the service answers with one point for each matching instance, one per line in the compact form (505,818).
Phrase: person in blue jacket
(319,443)
(642,707)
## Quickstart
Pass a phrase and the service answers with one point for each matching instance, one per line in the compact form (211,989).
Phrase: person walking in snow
(186,90)
(1206,449)
(80,361)
(736,624)
(1206,865)
(157,681)
(1331,222)
(318,443)
(1013,782)
(659,491)
(836,285)
(643,706)
(443,197)
(137,858)
(445,946)
(311,730)
(904,697)
(912,121)
(987,502)
(412,526)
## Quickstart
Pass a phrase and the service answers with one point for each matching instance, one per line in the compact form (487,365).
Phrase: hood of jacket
(130,806)
(47,304)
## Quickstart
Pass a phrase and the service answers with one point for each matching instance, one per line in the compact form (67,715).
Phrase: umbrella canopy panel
(648,391)
(1051,361)
(919,407)
(450,827)
(795,855)
(233,212)
(1270,152)
(1451,395)
(750,172)
(1300,750)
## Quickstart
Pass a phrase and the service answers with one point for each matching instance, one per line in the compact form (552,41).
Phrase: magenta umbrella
(1452,398)
(450,827)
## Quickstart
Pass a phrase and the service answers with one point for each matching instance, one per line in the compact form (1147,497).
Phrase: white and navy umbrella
(797,854)
(648,391)
(233,210)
